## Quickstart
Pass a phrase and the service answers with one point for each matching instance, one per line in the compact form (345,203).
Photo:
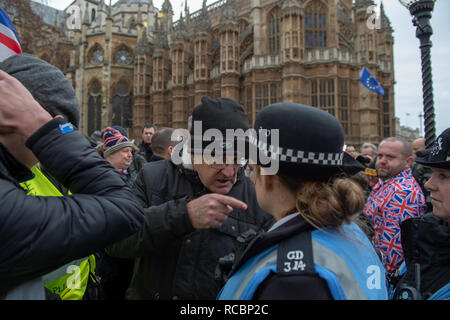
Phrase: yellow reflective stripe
(40,185)
(73,283)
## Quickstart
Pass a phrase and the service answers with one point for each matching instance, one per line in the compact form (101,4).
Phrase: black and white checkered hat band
(299,156)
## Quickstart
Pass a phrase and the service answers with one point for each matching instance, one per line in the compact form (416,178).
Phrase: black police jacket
(426,242)
(174,260)
(40,234)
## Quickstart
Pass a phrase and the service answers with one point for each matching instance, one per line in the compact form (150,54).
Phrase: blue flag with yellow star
(369,81)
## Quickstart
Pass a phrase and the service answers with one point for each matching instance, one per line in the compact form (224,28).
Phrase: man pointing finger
(211,210)
(195,211)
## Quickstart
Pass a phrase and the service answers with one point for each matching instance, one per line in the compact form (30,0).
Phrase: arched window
(316,25)
(121,106)
(274,31)
(131,23)
(92,15)
(94,107)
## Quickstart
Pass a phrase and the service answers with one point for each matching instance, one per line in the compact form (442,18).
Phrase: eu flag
(369,81)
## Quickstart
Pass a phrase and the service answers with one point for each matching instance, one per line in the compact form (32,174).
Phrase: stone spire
(161,40)
(384,20)
(139,15)
(143,46)
(86,18)
(180,29)
(229,12)
(167,7)
(203,22)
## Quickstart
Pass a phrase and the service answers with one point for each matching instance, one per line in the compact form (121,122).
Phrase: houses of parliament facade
(131,63)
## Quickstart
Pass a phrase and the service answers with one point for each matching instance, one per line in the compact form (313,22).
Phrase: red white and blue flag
(389,204)
(9,42)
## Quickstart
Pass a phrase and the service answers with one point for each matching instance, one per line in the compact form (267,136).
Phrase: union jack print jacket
(391,202)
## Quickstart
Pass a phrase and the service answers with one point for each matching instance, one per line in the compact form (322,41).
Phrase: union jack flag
(391,202)
(9,43)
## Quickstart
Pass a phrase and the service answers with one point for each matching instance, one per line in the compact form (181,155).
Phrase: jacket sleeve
(164,222)
(39,234)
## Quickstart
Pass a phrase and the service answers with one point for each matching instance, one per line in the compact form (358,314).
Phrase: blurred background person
(145,148)
(162,144)
(350,149)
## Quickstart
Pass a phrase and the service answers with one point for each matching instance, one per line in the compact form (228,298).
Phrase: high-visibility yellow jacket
(69,281)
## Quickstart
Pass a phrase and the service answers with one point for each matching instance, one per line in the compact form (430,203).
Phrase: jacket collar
(265,240)
(425,240)
(11,169)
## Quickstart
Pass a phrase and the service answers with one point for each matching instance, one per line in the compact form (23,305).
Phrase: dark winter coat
(145,151)
(426,242)
(40,234)
(174,260)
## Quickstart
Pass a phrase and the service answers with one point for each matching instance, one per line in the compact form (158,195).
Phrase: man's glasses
(237,164)
(222,166)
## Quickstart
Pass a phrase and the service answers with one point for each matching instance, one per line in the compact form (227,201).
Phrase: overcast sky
(408,90)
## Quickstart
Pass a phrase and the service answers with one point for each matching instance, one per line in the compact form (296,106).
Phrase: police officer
(425,240)
(314,250)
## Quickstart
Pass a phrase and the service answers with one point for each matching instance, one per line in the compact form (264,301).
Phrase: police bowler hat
(439,155)
(310,142)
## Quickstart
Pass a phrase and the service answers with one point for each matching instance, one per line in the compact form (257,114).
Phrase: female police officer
(314,250)
(426,240)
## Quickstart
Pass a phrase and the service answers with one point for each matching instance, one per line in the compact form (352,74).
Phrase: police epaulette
(295,255)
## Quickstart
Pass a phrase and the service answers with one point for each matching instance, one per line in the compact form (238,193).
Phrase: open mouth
(223,181)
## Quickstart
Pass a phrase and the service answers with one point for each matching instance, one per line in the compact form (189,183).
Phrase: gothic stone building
(132,63)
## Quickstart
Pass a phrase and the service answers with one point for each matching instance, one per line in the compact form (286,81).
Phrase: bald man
(418,144)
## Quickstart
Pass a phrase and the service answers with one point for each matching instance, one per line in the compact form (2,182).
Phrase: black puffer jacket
(174,260)
(40,234)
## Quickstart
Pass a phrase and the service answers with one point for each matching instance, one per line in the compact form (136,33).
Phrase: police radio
(406,292)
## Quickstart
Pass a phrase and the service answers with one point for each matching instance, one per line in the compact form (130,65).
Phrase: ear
(409,162)
(268,181)
(169,151)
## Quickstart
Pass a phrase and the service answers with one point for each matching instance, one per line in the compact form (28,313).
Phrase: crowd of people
(101,217)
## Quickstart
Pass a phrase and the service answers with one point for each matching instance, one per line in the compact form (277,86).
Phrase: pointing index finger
(231,201)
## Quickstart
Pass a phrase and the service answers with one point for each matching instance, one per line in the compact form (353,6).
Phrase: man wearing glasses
(195,210)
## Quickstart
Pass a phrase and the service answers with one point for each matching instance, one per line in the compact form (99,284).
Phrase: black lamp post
(421,11)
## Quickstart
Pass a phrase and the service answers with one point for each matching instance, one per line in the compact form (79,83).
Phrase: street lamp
(421,11)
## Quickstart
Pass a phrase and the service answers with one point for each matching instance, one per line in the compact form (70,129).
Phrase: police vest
(69,281)
(343,257)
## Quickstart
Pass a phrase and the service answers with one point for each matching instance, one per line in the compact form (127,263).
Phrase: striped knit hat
(113,141)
